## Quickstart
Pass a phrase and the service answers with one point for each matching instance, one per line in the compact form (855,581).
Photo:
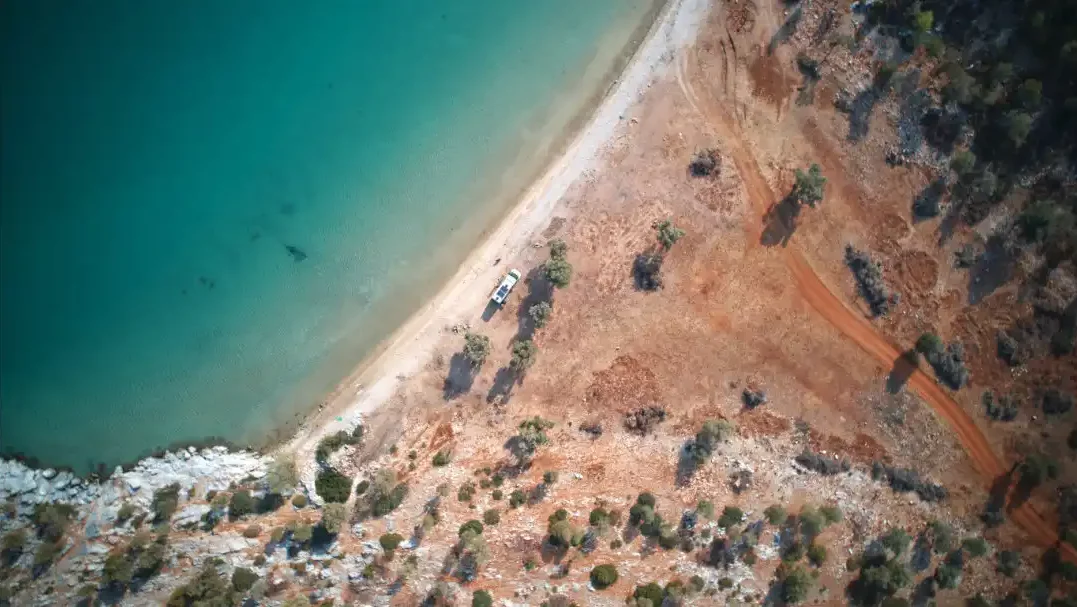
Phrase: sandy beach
(464,296)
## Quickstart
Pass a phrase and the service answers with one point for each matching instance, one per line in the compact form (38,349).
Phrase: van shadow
(490,310)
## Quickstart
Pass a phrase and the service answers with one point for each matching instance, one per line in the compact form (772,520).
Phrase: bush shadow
(993,269)
(460,378)
(504,381)
(539,290)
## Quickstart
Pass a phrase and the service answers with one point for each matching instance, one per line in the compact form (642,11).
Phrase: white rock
(49,473)
(190,515)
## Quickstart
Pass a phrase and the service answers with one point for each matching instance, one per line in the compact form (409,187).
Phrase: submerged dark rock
(296,253)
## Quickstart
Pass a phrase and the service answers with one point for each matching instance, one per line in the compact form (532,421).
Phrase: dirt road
(722,118)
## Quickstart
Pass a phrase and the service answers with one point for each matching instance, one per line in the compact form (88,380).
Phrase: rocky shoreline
(212,468)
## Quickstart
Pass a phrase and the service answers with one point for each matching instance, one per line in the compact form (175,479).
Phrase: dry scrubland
(737,407)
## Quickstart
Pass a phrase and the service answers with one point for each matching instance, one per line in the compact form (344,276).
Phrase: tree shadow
(904,366)
(460,378)
(686,464)
(539,290)
(780,222)
(996,497)
(647,270)
(860,110)
(504,380)
(993,269)
(785,31)
(928,203)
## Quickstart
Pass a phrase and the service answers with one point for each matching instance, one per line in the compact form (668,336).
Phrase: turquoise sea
(211,210)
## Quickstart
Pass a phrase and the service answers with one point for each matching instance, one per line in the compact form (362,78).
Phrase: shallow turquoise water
(159,157)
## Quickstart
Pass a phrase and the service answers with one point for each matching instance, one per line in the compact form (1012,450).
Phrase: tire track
(852,324)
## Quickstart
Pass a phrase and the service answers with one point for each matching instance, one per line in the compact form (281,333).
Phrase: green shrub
(540,313)
(706,509)
(252,531)
(976,546)
(668,234)
(725,583)
(776,515)
(796,585)
(523,354)
(697,583)
(603,576)
(896,540)
(491,517)
(442,458)
(1009,561)
(466,492)
(47,552)
(165,502)
(243,579)
(118,569)
(333,517)
(481,598)
(127,510)
(731,516)
(809,186)
(476,348)
(817,554)
(832,514)
(302,533)
(283,474)
(473,526)
(14,541)
(549,477)
(241,504)
(362,487)
(558,271)
(811,522)
(276,535)
(299,500)
(497,495)
(390,541)
(333,486)
(333,442)
(517,498)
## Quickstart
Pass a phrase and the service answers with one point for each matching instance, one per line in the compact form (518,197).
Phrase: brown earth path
(848,322)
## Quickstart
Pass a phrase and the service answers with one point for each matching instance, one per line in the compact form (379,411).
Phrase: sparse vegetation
(645,419)
(283,475)
(334,442)
(334,516)
(708,438)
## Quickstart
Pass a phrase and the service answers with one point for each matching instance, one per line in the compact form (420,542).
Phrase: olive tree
(809,186)
(476,348)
